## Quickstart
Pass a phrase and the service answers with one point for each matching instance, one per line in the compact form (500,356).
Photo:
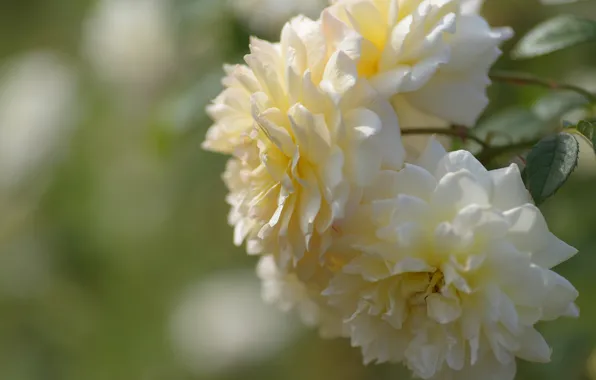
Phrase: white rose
(450,269)
(431,57)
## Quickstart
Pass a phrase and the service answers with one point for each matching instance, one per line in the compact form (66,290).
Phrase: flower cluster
(418,255)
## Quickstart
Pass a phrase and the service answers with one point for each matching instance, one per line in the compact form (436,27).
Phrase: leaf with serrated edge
(549,165)
(555,34)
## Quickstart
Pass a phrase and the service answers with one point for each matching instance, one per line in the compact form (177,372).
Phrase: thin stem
(460,132)
(524,79)
(488,154)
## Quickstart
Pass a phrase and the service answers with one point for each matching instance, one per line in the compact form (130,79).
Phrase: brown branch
(523,79)
(488,153)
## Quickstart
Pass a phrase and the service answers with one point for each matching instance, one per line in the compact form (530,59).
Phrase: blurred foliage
(135,214)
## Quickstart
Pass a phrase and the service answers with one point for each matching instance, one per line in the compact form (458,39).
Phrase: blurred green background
(116,261)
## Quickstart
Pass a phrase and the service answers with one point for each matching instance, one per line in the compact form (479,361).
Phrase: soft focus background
(116,262)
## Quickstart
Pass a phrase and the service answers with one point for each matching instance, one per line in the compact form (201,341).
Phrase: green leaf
(555,104)
(587,130)
(559,2)
(517,124)
(509,126)
(555,34)
(549,165)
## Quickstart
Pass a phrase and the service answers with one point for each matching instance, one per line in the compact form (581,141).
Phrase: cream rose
(430,57)
(306,131)
(450,268)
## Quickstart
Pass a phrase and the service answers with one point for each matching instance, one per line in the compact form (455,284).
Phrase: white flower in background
(315,133)
(222,324)
(450,269)
(431,57)
(37,92)
(130,42)
(268,16)
(289,293)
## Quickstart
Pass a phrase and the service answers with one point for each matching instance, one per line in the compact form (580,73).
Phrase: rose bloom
(430,57)
(305,132)
(449,270)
